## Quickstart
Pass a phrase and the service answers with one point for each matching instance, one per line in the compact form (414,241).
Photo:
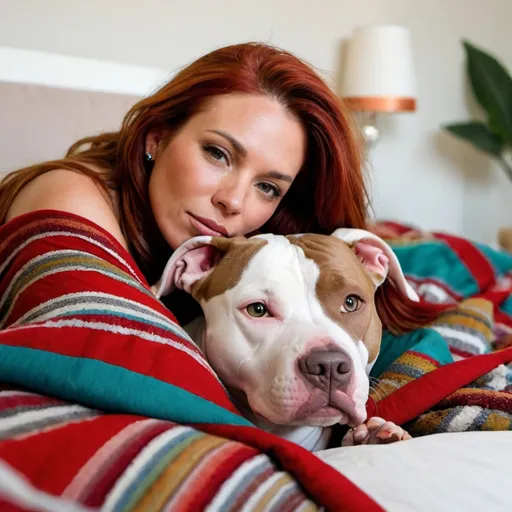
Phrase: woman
(246,138)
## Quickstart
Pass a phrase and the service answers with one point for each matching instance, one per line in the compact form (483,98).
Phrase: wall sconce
(378,75)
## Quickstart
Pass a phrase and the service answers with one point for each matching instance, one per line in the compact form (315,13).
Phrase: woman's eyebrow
(238,147)
(278,176)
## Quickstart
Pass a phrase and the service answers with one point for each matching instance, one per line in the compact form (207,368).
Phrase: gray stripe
(84,298)
(479,420)
(445,422)
(13,411)
(481,346)
(404,369)
(44,423)
(465,329)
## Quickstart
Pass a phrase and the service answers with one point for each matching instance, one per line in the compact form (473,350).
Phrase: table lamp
(378,75)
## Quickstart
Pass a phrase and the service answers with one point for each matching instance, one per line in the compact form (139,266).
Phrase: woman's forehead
(261,125)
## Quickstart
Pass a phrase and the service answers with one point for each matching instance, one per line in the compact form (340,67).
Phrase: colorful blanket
(106,403)
(477,281)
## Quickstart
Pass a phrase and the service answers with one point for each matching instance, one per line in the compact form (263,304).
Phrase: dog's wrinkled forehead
(334,257)
(324,261)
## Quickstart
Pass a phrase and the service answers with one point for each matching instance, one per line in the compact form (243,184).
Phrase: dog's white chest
(310,438)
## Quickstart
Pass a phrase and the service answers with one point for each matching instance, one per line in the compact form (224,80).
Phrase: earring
(148,157)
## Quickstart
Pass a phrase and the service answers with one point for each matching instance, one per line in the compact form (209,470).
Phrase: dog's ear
(399,307)
(378,259)
(193,260)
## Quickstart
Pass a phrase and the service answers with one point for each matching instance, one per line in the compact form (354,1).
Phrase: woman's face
(226,170)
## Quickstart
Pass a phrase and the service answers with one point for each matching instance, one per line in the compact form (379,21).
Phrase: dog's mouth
(319,410)
(336,405)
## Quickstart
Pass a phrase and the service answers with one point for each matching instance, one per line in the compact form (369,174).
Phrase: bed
(105,404)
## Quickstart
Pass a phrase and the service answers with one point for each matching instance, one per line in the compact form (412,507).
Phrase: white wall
(419,175)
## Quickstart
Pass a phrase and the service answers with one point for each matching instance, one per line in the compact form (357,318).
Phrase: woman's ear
(154,142)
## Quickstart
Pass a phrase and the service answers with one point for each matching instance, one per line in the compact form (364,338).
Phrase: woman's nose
(229,197)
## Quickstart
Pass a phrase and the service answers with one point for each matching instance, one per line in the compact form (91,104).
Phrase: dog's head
(291,322)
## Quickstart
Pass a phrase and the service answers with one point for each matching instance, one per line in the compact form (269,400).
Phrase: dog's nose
(326,369)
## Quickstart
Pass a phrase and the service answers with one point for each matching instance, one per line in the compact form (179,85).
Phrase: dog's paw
(375,431)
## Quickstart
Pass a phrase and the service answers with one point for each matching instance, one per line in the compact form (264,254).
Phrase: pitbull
(291,328)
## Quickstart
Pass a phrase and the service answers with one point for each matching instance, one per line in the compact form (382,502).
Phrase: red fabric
(52,449)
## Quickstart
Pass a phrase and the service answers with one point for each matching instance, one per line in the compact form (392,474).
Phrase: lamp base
(369,128)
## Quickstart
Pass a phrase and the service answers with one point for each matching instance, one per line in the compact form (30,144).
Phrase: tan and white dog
(291,327)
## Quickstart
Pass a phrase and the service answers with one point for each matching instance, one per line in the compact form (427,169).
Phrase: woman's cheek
(259,213)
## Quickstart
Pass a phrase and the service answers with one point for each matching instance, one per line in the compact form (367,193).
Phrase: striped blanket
(477,282)
(106,404)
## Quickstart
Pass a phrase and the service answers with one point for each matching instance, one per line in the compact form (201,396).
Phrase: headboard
(39,123)
(48,101)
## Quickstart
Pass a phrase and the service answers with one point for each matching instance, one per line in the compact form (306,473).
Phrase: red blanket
(107,403)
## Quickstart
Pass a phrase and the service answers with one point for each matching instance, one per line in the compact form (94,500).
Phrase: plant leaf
(492,86)
(478,134)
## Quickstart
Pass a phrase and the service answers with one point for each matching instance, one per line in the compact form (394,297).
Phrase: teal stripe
(425,341)
(107,387)
(501,262)
(438,261)
(506,307)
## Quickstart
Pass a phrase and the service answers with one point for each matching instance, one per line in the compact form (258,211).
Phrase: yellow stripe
(457,319)
(416,362)
(264,500)
(479,306)
(428,423)
(496,421)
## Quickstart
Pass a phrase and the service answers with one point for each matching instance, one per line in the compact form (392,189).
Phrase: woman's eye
(269,189)
(217,154)
(352,303)
(257,310)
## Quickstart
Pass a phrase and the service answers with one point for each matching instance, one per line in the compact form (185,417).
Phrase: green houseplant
(491,85)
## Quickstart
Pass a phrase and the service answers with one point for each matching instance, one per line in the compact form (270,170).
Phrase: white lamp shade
(378,74)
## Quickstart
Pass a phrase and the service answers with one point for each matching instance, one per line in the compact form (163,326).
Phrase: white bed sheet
(468,471)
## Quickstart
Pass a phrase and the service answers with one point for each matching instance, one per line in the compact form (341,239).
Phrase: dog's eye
(352,303)
(257,309)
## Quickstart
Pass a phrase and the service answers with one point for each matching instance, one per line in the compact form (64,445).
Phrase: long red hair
(329,191)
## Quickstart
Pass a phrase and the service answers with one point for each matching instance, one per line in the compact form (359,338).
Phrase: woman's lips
(207,226)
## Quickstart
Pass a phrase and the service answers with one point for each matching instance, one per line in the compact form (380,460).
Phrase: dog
(291,327)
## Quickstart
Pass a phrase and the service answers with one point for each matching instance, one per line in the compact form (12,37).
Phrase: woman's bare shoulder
(71,192)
